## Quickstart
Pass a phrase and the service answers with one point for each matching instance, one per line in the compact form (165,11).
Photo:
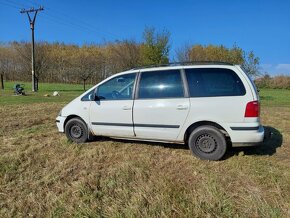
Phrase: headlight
(59,114)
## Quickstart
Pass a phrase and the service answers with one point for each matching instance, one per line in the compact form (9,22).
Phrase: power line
(89,26)
(65,24)
(55,19)
(17,3)
(67,18)
(69,23)
(62,18)
(34,2)
(9,5)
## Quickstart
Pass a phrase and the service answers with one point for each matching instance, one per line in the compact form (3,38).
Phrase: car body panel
(161,120)
(112,118)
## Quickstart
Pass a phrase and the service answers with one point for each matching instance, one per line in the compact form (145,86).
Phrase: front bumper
(60,123)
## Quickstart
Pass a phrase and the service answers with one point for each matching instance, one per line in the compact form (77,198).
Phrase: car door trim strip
(157,126)
(136,125)
(245,128)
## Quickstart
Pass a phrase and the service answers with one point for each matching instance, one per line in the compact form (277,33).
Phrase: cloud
(276,69)
(266,66)
(285,67)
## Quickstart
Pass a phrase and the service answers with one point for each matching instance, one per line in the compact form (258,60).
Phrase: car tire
(207,143)
(76,130)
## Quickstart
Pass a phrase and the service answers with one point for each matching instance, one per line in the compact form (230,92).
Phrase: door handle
(126,108)
(182,107)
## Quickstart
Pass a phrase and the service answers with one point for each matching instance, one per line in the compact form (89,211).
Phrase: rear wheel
(76,130)
(207,143)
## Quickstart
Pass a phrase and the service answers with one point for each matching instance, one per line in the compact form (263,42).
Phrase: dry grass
(41,174)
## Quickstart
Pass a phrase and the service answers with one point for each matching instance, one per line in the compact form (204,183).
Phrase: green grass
(275,97)
(67,93)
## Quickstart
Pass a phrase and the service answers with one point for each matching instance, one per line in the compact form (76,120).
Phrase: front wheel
(76,130)
(207,143)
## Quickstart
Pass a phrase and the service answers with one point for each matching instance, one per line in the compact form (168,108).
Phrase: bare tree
(183,53)
(6,63)
(23,49)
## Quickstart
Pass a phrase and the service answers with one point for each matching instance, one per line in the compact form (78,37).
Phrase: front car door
(111,113)
(161,106)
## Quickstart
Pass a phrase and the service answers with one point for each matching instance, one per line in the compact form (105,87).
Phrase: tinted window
(161,84)
(118,88)
(211,82)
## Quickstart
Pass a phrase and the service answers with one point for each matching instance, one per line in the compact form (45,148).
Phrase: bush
(277,82)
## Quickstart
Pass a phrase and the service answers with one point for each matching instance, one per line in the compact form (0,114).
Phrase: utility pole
(2,80)
(32,22)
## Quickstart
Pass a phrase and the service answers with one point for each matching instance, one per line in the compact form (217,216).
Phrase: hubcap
(76,131)
(206,143)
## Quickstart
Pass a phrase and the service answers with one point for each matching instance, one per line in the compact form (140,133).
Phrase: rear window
(214,82)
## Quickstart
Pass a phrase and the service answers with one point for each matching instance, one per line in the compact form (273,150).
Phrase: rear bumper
(247,136)
(60,123)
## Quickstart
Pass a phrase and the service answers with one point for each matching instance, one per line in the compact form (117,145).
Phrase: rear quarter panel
(224,111)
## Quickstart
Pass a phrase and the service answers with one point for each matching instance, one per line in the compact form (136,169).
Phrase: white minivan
(207,106)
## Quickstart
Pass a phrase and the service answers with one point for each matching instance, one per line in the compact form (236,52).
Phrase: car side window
(161,84)
(214,82)
(86,97)
(117,88)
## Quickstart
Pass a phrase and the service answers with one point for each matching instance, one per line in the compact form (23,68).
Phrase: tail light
(252,109)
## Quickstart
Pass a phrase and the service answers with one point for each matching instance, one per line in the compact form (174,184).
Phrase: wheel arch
(203,123)
(90,133)
(70,117)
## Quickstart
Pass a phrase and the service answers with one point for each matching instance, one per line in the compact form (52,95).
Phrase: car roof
(190,63)
(180,65)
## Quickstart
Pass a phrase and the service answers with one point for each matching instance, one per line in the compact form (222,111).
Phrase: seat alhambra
(207,106)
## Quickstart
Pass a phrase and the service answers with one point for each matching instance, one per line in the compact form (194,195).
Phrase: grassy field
(275,97)
(43,175)
(68,92)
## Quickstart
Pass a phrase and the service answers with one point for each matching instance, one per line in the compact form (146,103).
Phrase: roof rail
(184,64)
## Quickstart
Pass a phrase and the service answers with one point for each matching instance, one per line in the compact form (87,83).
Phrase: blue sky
(261,26)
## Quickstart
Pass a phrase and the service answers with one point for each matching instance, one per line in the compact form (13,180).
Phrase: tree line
(68,63)
(276,82)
